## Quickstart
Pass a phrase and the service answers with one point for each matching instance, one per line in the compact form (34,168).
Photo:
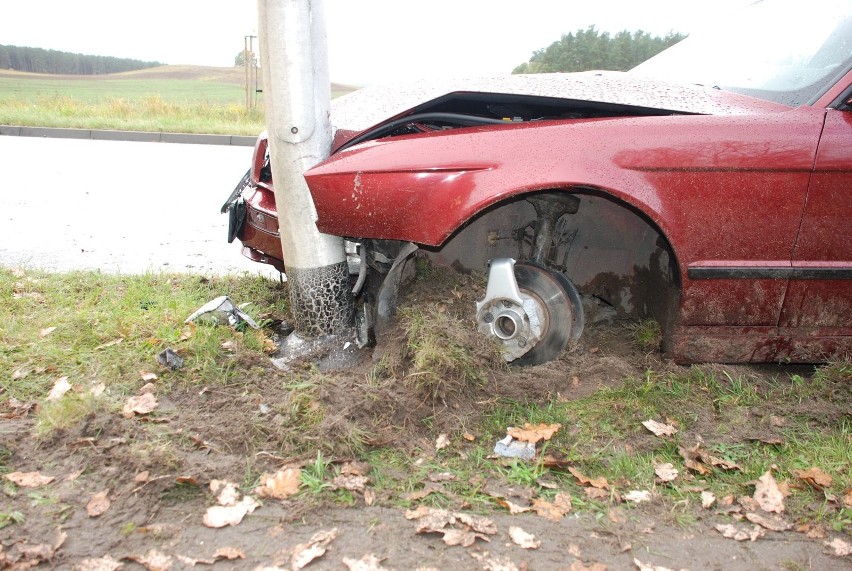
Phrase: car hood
(360,110)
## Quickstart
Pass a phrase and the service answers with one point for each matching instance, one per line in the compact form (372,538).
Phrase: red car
(710,189)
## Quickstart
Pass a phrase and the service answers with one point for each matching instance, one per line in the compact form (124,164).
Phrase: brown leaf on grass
(46,331)
(599,482)
(659,428)
(29,479)
(230,346)
(692,460)
(665,472)
(555,510)
(596,493)
(533,433)
(847,498)
(814,477)
(142,404)
(105,563)
(355,469)
(739,533)
(352,483)
(305,553)
(523,539)
(280,485)
(112,343)
(513,508)
(60,387)
(442,442)
(98,504)
(468,436)
(840,547)
(368,562)
(442,477)
(637,496)
(154,560)
(369,497)
(773,523)
(707,499)
(147,376)
(220,516)
(767,494)
(428,488)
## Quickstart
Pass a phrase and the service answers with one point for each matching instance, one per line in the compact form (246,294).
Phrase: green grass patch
(101,328)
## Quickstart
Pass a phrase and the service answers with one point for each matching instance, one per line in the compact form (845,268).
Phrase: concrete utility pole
(297,98)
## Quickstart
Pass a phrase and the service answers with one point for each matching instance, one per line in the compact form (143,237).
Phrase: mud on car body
(710,189)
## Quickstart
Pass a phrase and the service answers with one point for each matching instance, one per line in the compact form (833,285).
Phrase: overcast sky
(370,41)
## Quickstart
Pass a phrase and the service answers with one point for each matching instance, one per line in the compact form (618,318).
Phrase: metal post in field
(297,99)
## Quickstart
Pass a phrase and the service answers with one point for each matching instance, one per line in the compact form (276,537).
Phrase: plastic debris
(169,359)
(511,448)
(223,312)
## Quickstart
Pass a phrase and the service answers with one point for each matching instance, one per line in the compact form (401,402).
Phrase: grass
(109,328)
(180,99)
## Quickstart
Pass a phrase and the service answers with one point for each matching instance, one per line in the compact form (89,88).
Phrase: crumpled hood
(370,106)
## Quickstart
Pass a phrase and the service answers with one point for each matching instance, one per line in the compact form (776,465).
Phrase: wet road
(119,206)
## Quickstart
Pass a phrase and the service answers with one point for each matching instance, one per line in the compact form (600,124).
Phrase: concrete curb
(142,136)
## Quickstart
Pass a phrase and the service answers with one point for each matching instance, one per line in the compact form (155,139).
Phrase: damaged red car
(709,189)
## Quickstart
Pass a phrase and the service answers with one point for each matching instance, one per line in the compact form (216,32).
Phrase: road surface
(118,206)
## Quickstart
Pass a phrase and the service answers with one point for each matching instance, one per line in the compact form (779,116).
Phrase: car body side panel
(825,239)
(697,178)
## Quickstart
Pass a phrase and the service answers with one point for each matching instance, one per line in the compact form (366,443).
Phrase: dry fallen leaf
(109,344)
(665,472)
(220,516)
(649,567)
(847,498)
(153,560)
(142,404)
(513,508)
(533,433)
(304,553)
(470,527)
(814,477)
(442,442)
(229,553)
(369,497)
(637,496)
(148,377)
(596,493)
(555,510)
(60,387)
(767,494)
(46,331)
(105,563)
(523,539)
(355,469)
(493,562)
(584,481)
(98,504)
(468,436)
(773,523)
(840,547)
(368,562)
(280,485)
(692,460)
(463,537)
(658,428)
(29,479)
(707,499)
(740,534)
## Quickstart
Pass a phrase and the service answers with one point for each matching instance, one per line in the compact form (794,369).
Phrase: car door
(817,311)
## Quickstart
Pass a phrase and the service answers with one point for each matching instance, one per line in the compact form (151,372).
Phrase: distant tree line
(38,60)
(588,49)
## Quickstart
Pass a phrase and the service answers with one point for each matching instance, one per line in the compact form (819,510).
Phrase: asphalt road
(119,206)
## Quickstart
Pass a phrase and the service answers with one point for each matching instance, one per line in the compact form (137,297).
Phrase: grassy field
(183,99)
